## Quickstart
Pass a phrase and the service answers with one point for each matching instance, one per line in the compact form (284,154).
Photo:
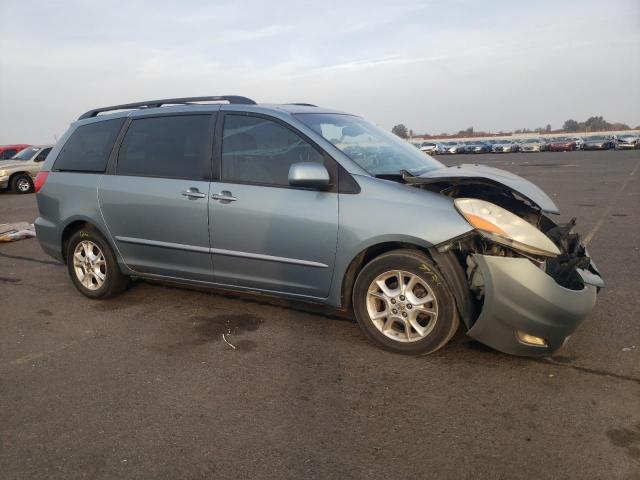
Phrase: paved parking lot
(143,386)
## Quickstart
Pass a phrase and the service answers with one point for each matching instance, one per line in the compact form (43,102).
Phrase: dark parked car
(561,144)
(316,205)
(598,142)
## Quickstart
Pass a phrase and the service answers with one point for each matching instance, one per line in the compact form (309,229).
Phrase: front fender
(386,211)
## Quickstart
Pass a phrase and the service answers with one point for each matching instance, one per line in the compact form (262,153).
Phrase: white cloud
(435,66)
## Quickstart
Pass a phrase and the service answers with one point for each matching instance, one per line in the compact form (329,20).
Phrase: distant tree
(571,126)
(401,131)
(468,132)
(547,128)
(596,123)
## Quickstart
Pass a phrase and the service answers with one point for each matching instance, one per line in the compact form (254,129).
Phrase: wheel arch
(72,226)
(447,264)
(364,257)
(21,172)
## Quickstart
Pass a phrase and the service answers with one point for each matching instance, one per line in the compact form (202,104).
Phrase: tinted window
(8,154)
(256,150)
(169,147)
(88,148)
(41,157)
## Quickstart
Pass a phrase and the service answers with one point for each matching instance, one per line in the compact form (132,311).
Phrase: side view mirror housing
(309,175)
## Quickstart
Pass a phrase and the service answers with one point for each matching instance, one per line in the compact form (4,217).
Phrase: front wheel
(92,265)
(21,183)
(402,303)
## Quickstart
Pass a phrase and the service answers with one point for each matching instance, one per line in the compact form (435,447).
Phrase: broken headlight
(503,227)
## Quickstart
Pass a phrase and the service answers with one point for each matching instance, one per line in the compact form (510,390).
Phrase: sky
(435,66)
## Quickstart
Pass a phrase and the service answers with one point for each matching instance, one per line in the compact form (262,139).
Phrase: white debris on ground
(11,232)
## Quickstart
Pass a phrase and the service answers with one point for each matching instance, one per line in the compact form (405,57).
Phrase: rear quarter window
(89,147)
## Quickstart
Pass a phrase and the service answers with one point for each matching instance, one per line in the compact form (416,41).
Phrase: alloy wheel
(402,306)
(89,265)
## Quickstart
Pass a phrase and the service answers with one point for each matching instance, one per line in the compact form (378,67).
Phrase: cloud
(435,66)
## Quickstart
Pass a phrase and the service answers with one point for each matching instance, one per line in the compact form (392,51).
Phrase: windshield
(373,149)
(25,154)
(596,138)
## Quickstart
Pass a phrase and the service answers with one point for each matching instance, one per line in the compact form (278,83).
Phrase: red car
(8,151)
(562,145)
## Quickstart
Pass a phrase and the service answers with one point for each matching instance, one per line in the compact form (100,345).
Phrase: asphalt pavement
(144,386)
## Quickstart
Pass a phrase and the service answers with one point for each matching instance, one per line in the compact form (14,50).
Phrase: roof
(125,109)
(16,145)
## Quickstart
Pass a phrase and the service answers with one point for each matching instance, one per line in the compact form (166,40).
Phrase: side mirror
(309,175)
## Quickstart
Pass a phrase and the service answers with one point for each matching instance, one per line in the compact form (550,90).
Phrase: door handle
(193,193)
(224,196)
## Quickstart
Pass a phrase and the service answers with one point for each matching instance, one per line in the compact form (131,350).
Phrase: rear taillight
(40,179)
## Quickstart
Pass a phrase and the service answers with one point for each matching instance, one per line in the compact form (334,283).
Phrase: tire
(437,318)
(21,183)
(95,256)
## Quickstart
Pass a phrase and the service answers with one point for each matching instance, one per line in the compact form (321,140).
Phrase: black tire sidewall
(14,183)
(114,278)
(418,264)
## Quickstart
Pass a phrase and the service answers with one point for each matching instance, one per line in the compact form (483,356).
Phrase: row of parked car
(19,165)
(540,144)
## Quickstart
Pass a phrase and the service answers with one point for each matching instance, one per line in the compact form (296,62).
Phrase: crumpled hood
(516,183)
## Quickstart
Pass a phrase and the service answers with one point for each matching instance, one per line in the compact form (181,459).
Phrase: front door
(156,204)
(265,234)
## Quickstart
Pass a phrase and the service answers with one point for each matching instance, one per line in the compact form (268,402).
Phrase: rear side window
(260,151)
(88,148)
(42,156)
(167,147)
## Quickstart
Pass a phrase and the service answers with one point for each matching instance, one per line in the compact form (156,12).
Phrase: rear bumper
(49,237)
(518,296)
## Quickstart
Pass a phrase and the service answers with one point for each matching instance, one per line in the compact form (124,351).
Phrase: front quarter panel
(386,211)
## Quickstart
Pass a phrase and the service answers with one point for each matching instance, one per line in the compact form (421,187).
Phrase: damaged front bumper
(521,300)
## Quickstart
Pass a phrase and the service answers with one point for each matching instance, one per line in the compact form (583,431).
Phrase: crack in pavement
(28,259)
(592,371)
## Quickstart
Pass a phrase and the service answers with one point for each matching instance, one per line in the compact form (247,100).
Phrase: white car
(579,142)
(432,148)
(628,142)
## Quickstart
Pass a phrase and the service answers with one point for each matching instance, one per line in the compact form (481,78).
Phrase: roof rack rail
(303,104)
(235,99)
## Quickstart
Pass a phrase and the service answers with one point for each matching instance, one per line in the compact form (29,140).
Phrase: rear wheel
(402,304)
(21,183)
(92,265)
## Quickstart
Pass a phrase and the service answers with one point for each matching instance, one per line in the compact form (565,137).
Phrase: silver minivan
(315,205)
